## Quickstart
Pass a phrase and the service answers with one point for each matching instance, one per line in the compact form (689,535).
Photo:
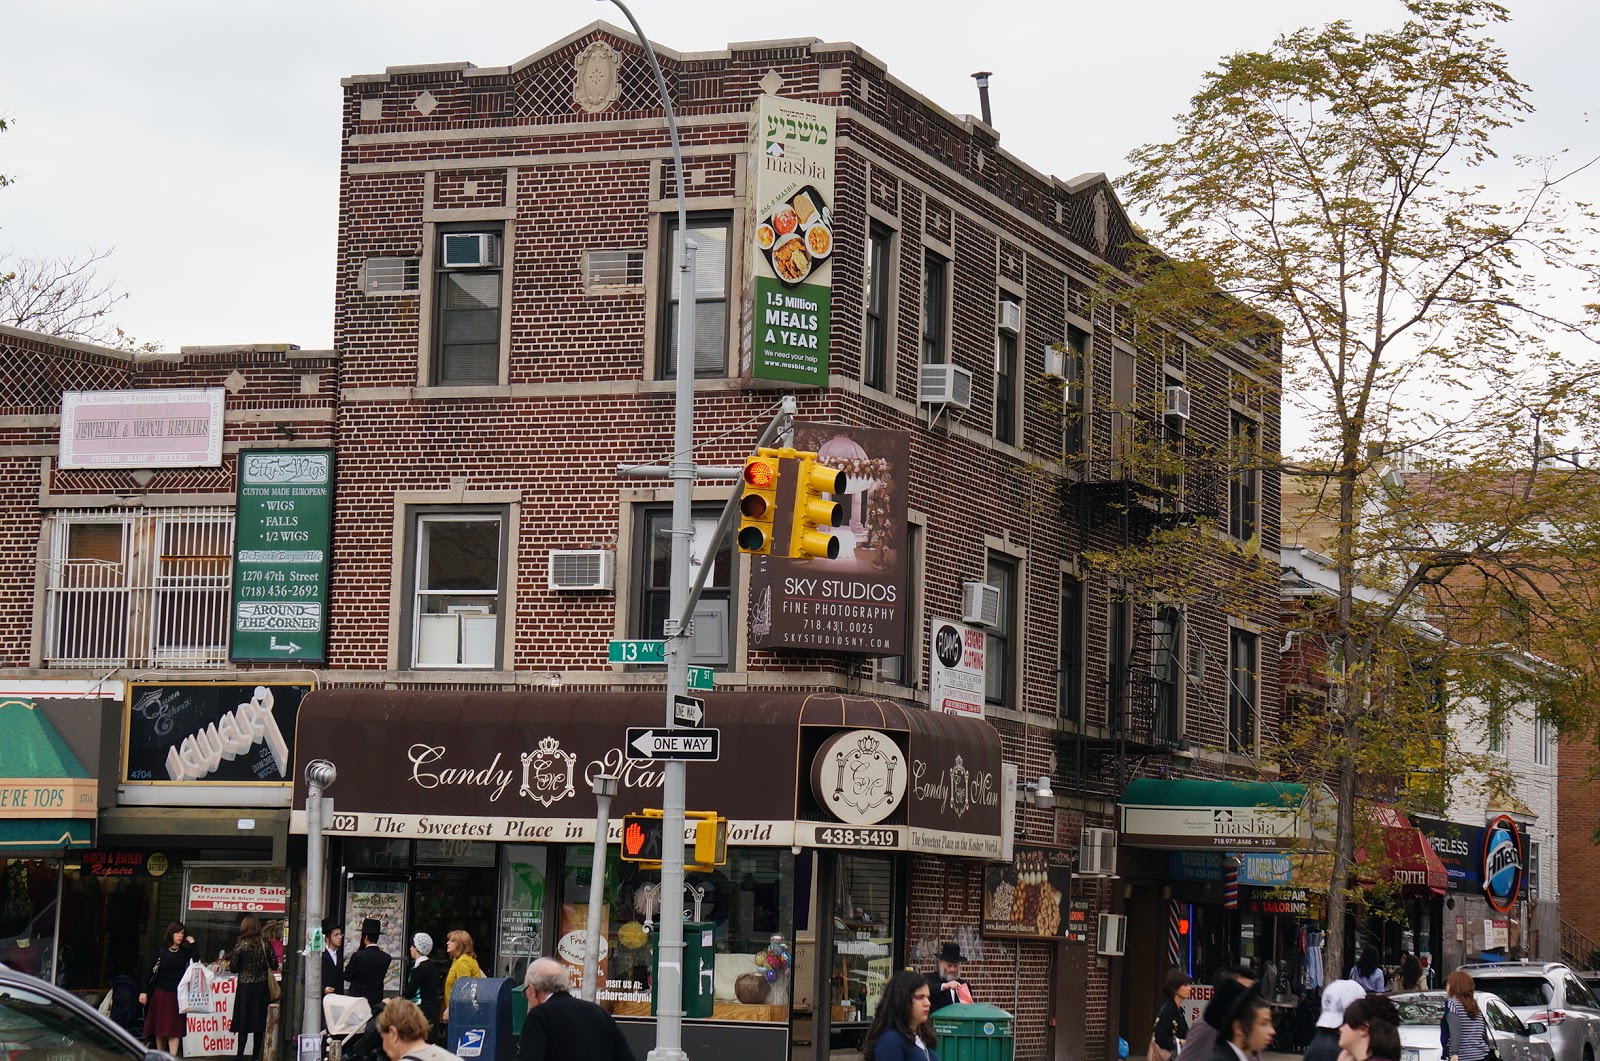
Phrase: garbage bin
(972,1031)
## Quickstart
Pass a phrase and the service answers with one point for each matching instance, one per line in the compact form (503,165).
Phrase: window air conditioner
(980,604)
(471,250)
(582,569)
(1177,402)
(1097,853)
(1113,934)
(945,385)
(1010,317)
(1055,361)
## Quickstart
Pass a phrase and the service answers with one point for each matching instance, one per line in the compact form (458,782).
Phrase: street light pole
(319,775)
(604,787)
(669,974)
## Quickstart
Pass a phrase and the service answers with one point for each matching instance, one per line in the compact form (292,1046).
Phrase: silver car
(41,1022)
(1551,994)
(1422,1011)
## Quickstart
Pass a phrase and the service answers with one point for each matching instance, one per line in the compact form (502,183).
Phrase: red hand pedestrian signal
(633,839)
(641,838)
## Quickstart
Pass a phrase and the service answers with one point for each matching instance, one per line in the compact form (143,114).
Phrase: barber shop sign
(1502,862)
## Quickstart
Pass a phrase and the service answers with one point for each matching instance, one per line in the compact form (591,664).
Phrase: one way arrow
(650,745)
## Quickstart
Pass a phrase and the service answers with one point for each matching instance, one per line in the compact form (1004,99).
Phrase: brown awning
(460,764)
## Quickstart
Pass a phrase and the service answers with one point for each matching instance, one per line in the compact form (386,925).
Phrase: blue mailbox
(480,1019)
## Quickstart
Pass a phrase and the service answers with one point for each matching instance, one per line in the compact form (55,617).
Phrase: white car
(1421,1012)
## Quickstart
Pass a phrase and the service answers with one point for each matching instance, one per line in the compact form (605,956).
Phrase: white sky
(199,139)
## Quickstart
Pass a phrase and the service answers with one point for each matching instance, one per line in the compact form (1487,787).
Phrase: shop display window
(749,902)
(863,935)
(28,891)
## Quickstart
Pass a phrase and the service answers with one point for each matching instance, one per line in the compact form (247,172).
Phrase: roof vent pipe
(982,78)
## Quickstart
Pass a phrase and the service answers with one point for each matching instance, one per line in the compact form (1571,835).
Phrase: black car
(41,1022)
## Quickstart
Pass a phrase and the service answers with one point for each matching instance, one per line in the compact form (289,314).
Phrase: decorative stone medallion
(595,85)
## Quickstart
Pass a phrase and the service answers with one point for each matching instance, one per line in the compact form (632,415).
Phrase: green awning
(1153,792)
(1222,815)
(48,801)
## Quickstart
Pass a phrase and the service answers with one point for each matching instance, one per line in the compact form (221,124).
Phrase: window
(1243,692)
(1075,396)
(1166,672)
(1244,485)
(457,579)
(135,589)
(1069,699)
(1005,386)
(935,308)
(713,631)
(466,294)
(1124,392)
(1119,651)
(903,670)
(999,676)
(880,264)
(710,234)
(1173,429)
(1499,721)
(611,271)
(1541,742)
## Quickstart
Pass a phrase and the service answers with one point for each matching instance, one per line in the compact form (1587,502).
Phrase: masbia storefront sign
(518,767)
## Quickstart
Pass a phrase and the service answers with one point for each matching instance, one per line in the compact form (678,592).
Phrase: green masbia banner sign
(789,231)
(280,560)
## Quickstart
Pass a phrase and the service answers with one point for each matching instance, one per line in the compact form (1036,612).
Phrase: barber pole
(1230,886)
(1174,934)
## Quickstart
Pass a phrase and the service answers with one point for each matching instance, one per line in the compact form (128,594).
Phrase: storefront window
(522,880)
(863,935)
(28,889)
(748,902)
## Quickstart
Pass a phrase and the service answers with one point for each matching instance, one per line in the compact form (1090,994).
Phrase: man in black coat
(945,987)
(368,966)
(333,939)
(562,1028)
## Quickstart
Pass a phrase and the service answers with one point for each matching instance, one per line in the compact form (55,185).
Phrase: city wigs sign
(789,233)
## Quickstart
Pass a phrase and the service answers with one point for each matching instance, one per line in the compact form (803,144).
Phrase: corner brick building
(481,406)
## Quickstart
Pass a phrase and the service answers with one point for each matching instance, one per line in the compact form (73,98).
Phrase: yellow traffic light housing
(813,511)
(759,503)
(642,839)
(710,839)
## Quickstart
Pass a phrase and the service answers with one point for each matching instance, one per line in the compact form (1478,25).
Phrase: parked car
(41,1022)
(1552,994)
(1514,1040)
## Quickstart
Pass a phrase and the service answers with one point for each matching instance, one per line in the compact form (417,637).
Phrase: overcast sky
(200,140)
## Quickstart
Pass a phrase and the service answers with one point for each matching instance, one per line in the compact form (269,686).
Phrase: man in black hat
(945,987)
(333,939)
(368,966)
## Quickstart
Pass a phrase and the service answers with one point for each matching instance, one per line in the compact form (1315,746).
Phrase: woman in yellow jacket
(458,944)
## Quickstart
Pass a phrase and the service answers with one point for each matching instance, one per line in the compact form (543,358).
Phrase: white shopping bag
(194,990)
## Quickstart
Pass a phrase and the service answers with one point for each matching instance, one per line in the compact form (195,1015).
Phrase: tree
(63,297)
(1332,182)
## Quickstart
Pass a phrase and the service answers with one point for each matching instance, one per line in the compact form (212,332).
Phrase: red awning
(1408,858)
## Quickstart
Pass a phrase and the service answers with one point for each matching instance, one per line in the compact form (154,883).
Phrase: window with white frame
(456,578)
(711,643)
(1075,394)
(466,304)
(139,588)
(1244,483)
(710,233)
(1007,374)
(1542,741)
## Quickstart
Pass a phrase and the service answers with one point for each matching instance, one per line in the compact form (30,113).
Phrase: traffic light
(641,838)
(812,511)
(759,504)
(710,841)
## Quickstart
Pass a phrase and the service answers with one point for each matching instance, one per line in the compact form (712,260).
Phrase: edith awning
(1220,815)
(48,801)
(1408,859)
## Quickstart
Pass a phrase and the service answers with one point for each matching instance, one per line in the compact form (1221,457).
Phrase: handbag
(1156,1052)
(194,990)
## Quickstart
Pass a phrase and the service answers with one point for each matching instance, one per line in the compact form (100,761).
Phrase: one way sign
(656,744)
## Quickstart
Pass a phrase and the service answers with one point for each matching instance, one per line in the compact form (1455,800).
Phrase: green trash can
(972,1031)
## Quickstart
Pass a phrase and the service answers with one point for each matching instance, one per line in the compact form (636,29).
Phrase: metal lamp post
(319,775)
(604,786)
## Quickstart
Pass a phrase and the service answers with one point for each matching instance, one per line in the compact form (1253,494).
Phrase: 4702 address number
(858,837)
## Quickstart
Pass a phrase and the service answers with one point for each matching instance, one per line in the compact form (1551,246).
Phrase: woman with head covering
(900,1028)
(1368,973)
(422,980)
(1371,1030)
(463,962)
(252,962)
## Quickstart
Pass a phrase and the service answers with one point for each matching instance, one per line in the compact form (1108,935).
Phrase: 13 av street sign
(657,744)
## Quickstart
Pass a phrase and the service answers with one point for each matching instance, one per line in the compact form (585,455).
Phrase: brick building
(504,314)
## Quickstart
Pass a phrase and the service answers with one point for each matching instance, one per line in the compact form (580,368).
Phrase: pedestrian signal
(641,838)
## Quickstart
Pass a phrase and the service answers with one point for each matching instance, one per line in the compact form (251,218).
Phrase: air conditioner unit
(1055,361)
(471,250)
(1113,934)
(1010,317)
(1177,402)
(945,385)
(582,569)
(980,604)
(1097,853)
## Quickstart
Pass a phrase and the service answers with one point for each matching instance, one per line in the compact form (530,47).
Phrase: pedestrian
(1368,972)
(463,962)
(1463,1034)
(368,966)
(1172,1026)
(901,1029)
(559,1027)
(403,1033)
(1410,973)
(332,968)
(422,981)
(1371,1030)
(163,1024)
(1249,1030)
(252,962)
(945,986)
(1336,997)
(1230,985)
